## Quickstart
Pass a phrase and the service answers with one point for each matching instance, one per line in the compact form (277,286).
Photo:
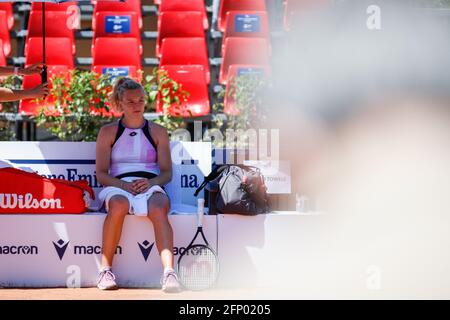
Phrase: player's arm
(164,158)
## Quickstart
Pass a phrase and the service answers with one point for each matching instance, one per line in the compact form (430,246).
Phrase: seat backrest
(253,51)
(238,5)
(185,51)
(116,6)
(4,34)
(173,24)
(55,26)
(58,51)
(117,52)
(183,5)
(8,9)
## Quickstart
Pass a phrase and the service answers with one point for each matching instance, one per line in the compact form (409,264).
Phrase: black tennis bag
(236,189)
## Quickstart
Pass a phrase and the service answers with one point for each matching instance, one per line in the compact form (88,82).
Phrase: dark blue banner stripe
(58,161)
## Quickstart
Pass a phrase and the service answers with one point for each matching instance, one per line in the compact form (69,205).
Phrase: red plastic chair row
(8,9)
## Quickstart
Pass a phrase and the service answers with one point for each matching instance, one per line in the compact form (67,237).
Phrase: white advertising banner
(65,250)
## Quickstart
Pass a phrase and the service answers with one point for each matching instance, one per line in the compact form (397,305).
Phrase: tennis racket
(198,265)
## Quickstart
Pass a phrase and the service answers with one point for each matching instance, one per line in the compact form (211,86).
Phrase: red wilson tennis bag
(25,192)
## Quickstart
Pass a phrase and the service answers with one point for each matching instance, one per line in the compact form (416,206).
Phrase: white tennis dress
(133,156)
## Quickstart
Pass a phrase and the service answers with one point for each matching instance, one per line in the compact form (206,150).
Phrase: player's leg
(158,209)
(118,207)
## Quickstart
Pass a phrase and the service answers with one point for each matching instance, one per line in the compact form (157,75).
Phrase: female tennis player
(133,162)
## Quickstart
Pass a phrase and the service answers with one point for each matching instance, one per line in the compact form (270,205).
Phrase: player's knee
(158,205)
(118,207)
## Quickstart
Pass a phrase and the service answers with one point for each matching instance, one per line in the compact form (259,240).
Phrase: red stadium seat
(236,70)
(254,51)
(58,51)
(2,55)
(116,6)
(192,79)
(158,2)
(4,34)
(122,54)
(185,51)
(63,6)
(8,9)
(183,5)
(31,106)
(121,25)
(179,24)
(293,8)
(55,26)
(238,5)
(246,25)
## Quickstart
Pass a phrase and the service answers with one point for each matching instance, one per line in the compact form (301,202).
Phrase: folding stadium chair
(184,5)
(179,24)
(254,51)
(121,25)
(293,8)
(246,24)
(192,79)
(8,9)
(2,55)
(4,35)
(115,6)
(117,57)
(236,70)
(32,107)
(185,51)
(238,5)
(55,26)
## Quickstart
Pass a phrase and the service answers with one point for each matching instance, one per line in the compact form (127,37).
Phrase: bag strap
(212,176)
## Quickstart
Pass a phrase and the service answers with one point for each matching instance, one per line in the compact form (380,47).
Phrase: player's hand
(128,186)
(141,185)
(38,92)
(33,69)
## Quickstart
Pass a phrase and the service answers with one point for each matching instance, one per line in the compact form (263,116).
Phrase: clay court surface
(129,294)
